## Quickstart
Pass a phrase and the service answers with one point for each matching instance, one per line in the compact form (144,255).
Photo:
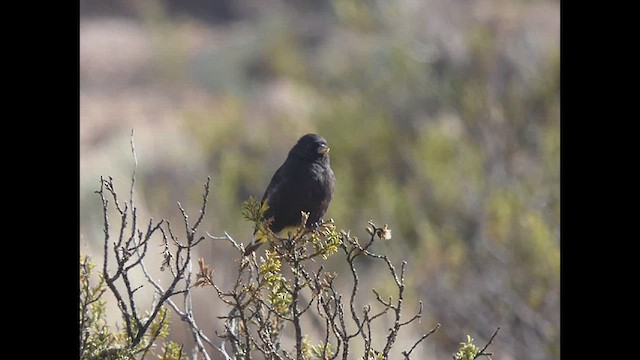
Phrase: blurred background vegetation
(442,116)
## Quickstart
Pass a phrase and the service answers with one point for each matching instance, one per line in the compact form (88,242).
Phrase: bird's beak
(323,149)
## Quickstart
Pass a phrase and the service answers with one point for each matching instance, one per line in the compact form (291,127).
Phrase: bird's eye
(322,149)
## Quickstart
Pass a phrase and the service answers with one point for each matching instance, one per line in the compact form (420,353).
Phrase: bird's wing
(272,194)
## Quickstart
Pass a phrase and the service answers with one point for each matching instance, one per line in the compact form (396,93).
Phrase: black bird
(304,182)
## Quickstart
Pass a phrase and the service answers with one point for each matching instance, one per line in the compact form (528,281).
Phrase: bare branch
(482,351)
(416,316)
(135,166)
(407,353)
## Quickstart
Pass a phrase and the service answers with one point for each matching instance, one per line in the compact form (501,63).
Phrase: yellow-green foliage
(324,241)
(99,341)
(467,350)
(312,352)
(278,287)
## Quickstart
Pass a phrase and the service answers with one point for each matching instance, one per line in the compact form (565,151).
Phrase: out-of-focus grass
(443,120)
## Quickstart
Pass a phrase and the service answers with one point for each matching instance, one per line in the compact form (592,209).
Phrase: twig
(406,354)
(135,166)
(482,352)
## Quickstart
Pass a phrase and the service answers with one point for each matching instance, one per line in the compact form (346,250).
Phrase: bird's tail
(260,239)
(251,248)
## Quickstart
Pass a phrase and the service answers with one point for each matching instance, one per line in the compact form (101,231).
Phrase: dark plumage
(304,182)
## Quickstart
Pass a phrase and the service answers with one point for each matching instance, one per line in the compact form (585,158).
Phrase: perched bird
(304,182)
